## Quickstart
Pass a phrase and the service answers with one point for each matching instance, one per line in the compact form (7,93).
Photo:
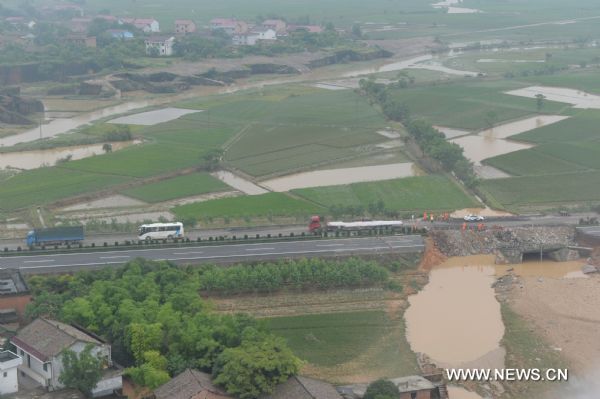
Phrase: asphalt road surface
(228,253)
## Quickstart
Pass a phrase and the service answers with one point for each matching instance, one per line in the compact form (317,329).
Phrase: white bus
(160,231)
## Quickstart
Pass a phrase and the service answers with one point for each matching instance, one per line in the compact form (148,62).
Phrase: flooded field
(524,125)
(456,318)
(114,201)
(151,118)
(36,159)
(577,98)
(332,177)
(478,148)
(451,133)
(329,86)
(489,172)
(239,183)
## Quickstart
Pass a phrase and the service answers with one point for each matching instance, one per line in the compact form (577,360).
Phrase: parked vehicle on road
(474,218)
(160,231)
(63,235)
(317,225)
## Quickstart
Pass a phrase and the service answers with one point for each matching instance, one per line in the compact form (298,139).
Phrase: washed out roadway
(228,253)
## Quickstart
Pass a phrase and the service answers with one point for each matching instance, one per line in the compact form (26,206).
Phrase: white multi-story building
(9,362)
(253,37)
(159,45)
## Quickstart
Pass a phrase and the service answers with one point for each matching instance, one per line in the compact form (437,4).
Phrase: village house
(298,387)
(9,380)
(14,296)
(41,345)
(229,26)
(191,384)
(80,25)
(81,40)
(159,45)
(184,26)
(120,34)
(253,37)
(306,28)
(278,25)
(410,387)
(146,25)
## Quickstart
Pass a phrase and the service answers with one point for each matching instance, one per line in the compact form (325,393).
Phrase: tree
(211,160)
(107,147)
(255,367)
(81,371)
(539,101)
(382,389)
(356,31)
(491,117)
(152,373)
(144,338)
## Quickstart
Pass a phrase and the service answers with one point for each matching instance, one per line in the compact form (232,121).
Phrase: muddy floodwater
(455,392)
(450,132)
(333,177)
(577,98)
(239,183)
(477,148)
(36,159)
(113,201)
(523,125)
(155,117)
(549,269)
(456,318)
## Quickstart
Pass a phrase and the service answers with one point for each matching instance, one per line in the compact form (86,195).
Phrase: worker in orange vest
(464,226)
(424,216)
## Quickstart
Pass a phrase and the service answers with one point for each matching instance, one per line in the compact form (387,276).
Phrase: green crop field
(270,204)
(467,105)
(582,126)
(586,80)
(531,162)
(432,193)
(327,340)
(46,185)
(294,129)
(177,187)
(584,153)
(534,191)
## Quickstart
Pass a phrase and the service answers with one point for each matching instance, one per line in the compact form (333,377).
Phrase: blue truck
(55,236)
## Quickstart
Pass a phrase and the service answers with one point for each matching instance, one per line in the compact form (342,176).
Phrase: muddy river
(36,159)
(155,117)
(520,126)
(456,318)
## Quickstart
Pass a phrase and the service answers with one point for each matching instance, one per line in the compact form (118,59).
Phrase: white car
(474,218)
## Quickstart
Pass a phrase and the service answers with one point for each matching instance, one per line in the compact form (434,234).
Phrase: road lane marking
(259,249)
(39,261)
(188,253)
(115,257)
(330,245)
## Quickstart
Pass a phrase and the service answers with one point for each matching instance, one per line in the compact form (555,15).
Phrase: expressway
(229,253)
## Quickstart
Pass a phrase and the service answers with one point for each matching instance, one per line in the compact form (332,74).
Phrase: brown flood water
(39,158)
(456,318)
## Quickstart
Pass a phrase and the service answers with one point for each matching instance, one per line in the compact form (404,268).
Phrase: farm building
(159,45)
(184,26)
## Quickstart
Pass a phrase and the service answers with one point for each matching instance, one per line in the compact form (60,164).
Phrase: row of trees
(158,326)
(299,274)
(431,141)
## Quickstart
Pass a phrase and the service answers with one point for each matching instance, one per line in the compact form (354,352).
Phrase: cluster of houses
(244,34)
(35,363)
(240,32)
